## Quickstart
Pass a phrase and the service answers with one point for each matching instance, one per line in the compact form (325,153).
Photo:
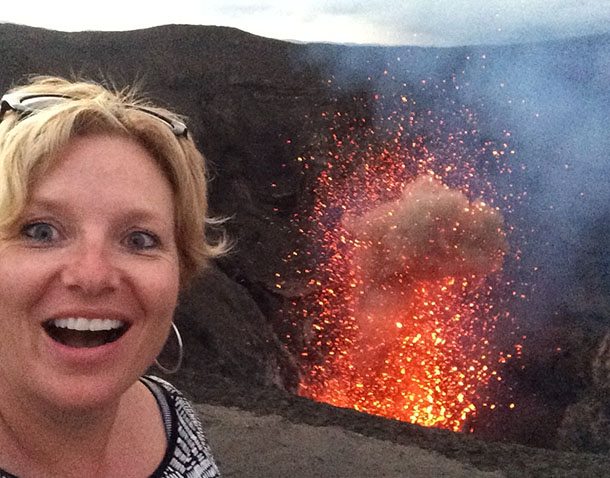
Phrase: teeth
(82,324)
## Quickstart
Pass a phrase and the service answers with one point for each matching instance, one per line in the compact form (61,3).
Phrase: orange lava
(417,348)
(426,367)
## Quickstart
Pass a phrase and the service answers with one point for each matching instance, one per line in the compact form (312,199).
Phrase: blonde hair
(29,145)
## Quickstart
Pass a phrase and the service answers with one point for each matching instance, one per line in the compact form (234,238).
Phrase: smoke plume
(431,232)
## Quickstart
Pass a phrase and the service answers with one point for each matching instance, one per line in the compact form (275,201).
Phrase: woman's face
(89,286)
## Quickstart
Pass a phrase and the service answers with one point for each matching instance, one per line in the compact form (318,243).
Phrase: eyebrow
(34,202)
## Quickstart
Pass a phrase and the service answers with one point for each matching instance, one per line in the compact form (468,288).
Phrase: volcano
(496,330)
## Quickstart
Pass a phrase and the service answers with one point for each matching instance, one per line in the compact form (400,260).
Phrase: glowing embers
(421,359)
(409,247)
(414,344)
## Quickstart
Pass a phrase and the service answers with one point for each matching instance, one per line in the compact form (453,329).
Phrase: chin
(71,393)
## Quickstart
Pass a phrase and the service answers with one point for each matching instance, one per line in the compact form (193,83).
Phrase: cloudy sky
(419,22)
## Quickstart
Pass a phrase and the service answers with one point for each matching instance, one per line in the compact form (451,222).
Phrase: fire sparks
(409,248)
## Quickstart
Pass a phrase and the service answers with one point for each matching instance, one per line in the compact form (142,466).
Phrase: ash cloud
(429,233)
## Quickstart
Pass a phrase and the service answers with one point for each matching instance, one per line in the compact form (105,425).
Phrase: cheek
(22,287)
(22,282)
(158,297)
(160,290)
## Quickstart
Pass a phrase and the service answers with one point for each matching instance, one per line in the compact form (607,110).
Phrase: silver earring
(176,367)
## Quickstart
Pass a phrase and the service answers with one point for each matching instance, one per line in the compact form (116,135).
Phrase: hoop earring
(176,367)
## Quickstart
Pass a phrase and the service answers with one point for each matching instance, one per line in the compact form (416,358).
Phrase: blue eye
(141,240)
(40,232)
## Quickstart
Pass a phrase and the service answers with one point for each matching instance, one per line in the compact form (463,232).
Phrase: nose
(90,269)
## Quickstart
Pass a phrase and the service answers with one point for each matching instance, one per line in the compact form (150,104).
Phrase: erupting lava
(409,247)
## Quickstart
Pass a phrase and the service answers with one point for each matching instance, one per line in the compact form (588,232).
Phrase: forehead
(116,170)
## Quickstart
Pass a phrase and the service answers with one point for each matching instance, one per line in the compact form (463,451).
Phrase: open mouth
(79,332)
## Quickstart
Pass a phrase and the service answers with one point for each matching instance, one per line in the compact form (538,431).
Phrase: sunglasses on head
(30,103)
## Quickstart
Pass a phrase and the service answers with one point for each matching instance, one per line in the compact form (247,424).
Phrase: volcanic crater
(484,317)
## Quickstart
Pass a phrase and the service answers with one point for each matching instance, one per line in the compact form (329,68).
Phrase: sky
(385,22)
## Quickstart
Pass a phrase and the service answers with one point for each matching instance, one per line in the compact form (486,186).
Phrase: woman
(102,212)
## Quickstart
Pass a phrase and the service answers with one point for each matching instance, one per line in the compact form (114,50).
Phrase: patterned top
(188,454)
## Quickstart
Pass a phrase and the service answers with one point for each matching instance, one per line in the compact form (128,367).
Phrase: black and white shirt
(188,454)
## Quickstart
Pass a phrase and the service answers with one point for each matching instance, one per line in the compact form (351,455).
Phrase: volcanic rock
(586,423)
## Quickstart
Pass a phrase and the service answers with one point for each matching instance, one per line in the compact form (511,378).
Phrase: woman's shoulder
(188,453)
